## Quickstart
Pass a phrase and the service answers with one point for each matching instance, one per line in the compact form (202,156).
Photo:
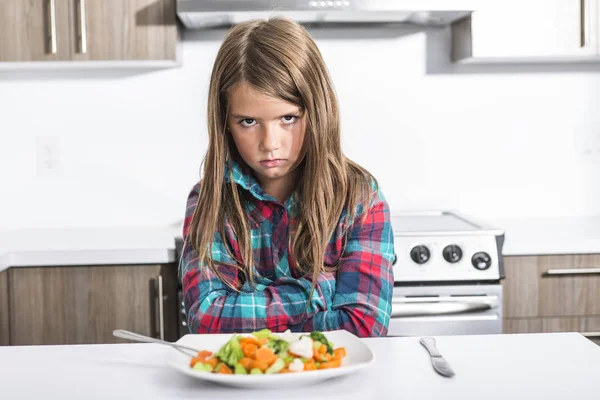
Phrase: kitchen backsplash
(518,143)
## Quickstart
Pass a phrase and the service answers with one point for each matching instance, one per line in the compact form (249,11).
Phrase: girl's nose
(271,140)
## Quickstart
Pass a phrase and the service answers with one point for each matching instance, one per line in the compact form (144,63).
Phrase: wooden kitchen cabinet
(34,30)
(124,30)
(532,30)
(569,295)
(529,291)
(4,329)
(552,293)
(521,287)
(79,304)
(88,30)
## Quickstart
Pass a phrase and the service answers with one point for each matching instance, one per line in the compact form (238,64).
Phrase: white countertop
(534,236)
(88,246)
(534,366)
(156,245)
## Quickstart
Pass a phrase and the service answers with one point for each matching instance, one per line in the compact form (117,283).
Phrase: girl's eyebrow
(292,112)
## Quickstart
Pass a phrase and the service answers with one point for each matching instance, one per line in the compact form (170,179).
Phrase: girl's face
(268,134)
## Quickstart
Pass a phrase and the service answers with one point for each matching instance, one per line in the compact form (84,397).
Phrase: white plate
(358,356)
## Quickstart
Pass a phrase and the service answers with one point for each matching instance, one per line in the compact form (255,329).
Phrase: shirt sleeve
(213,307)
(362,302)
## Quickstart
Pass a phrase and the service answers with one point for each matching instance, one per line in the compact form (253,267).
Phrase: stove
(447,275)
(445,247)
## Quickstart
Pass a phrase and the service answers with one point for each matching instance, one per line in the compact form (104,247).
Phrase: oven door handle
(402,309)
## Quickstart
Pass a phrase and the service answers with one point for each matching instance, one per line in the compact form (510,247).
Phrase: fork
(136,337)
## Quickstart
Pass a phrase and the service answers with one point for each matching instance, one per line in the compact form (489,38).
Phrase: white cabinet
(529,30)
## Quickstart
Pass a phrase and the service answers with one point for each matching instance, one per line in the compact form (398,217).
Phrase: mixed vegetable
(263,352)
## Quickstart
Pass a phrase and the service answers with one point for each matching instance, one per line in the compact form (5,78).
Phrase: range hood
(201,14)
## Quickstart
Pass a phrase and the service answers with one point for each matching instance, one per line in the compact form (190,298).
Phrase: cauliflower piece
(296,365)
(302,347)
(288,336)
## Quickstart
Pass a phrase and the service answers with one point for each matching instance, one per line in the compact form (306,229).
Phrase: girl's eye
(247,122)
(289,119)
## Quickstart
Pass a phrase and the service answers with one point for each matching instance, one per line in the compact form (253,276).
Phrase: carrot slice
(326,356)
(331,364)
(262,365)
(310,366)
(249,339)
(204,353)
(263,341)
(224,369)
(245,362)
(194,361)
(249,350)
(272,360)
(339,353)
(316,355)
(201,357)
(322,349)
(213,361)
(264,354)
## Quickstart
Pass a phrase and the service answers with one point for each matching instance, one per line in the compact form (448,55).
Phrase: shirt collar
(243,176)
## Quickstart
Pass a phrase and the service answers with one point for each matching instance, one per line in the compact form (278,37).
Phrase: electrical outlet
(48,156)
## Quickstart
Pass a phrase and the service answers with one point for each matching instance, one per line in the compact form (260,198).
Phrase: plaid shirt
(357,297)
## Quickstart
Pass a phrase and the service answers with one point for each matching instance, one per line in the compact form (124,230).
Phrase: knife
(440,365)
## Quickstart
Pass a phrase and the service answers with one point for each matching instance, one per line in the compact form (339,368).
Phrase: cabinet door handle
(584,26)
(161,308)
(52,24)
(580,271)
(82,27)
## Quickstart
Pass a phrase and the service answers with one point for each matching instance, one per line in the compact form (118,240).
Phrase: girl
(283,231)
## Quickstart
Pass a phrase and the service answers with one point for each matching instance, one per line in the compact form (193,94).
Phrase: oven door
(446,310)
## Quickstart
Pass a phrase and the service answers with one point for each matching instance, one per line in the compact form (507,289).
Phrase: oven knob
(420,254)
(452,253)
(481,260)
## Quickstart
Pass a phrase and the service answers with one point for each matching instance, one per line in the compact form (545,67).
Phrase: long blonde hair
(278,58)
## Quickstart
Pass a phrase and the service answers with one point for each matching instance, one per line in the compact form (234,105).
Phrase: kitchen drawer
(552,286)
(588,326)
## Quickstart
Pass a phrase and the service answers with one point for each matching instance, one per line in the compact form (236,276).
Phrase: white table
(535,366)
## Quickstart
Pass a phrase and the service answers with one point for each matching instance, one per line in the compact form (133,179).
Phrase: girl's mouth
(276,162)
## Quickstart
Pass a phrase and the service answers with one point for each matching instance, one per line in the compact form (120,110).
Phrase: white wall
(492,143)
